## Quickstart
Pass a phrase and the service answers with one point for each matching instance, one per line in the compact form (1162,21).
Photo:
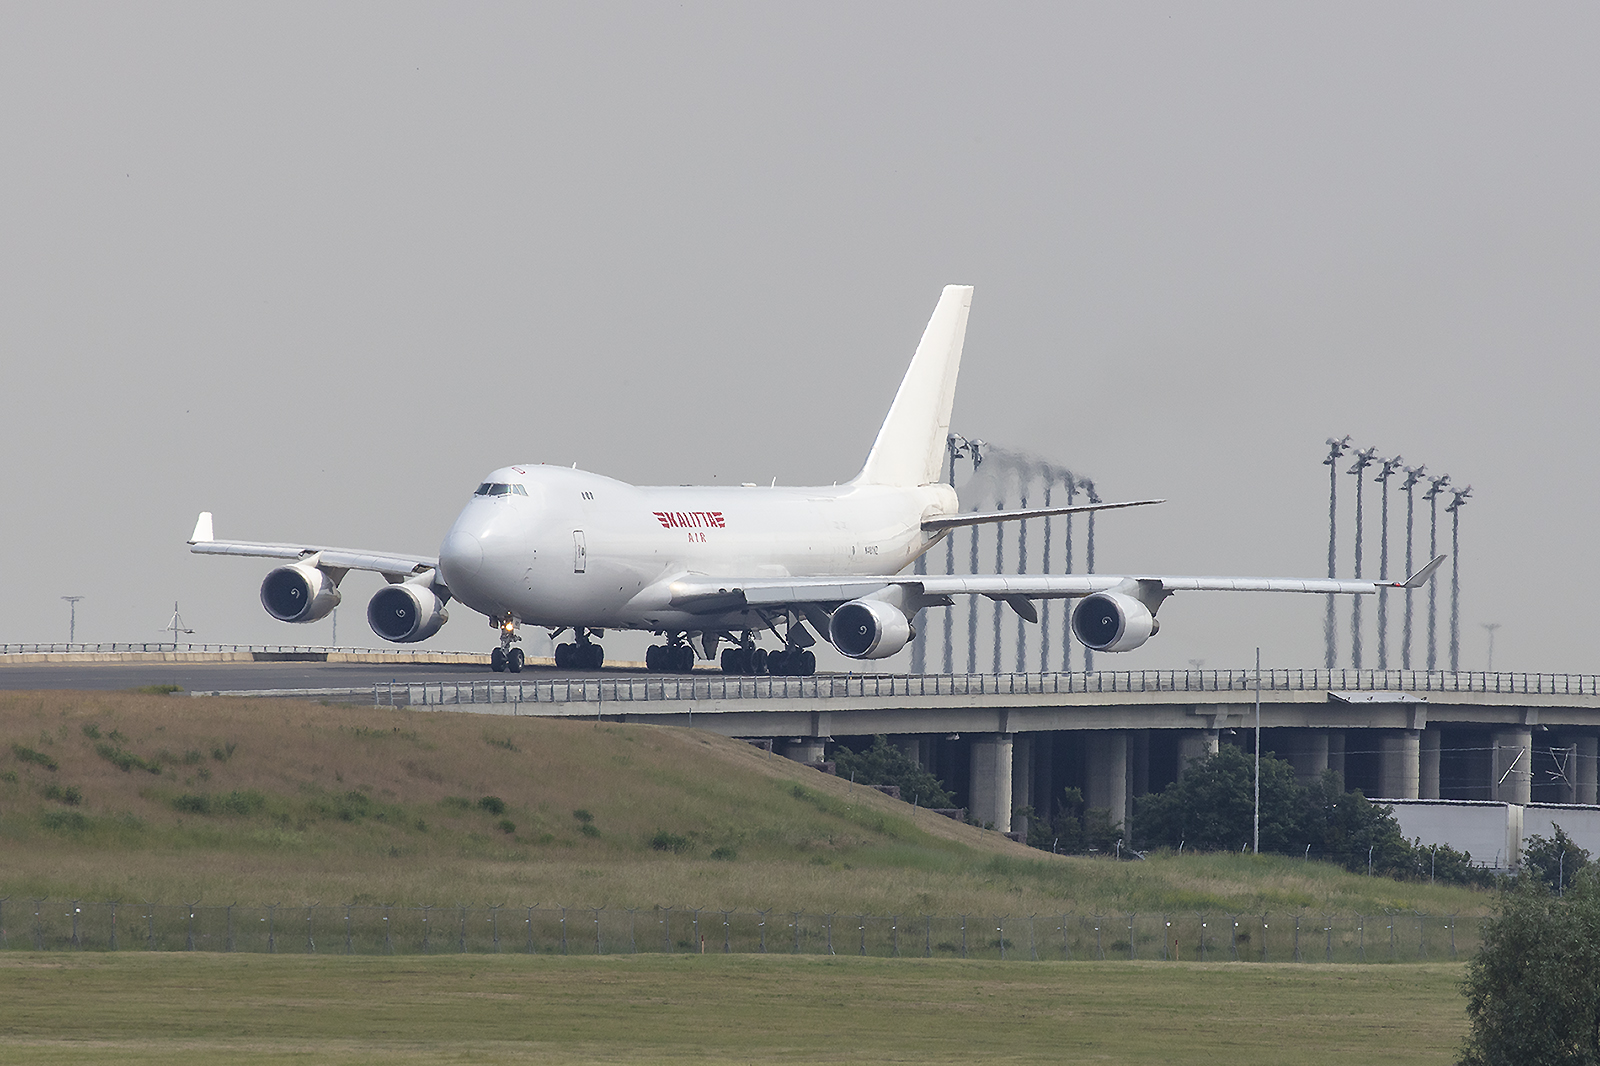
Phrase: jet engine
(869,629)
(1112,621)
(406,613)
(299,593)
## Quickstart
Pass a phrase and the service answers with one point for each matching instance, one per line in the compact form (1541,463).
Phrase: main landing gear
(669,659)
(505,657)
(788,662)
(585,654)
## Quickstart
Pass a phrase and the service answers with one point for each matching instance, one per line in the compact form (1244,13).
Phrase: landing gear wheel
(652,658)
(564,656)
(808,663)
(683,659)
(497,660)
(594,656)
(514,660)
(778,664)
(758,661)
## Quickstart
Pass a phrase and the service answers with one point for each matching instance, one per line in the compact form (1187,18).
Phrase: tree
(1533,989)
(1555,861)
(885,764)
(1076,828)
(1212,806)
(1349,829)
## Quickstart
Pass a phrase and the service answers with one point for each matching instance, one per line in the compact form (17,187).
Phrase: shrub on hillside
(1555,861)
(38,758)
(884,764)
(1075,829)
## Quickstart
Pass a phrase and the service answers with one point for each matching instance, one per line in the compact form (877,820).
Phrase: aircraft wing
(706,594)
(202,542)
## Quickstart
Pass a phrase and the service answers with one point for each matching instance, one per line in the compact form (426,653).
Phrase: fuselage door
(580,553)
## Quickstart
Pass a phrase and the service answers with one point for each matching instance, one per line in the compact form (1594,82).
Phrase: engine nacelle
(299,593)
(1112,621)
(869,629)
(406,613)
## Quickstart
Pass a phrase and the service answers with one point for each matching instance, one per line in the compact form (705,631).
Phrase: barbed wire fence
(392,929)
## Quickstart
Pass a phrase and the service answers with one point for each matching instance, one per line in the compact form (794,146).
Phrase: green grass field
(203,1008)
(119,796)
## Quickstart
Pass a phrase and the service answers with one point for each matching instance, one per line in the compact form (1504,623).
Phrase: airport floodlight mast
(1088,560)
(1022,568)
(1414,474)
(1388,469)
(1491,627)
(1436,488)
(72,624)
(999,568)
(1459,497)
(1336,448)
(176,626)
(972,606)
(1071,484)
(1044,559)
(957,447)
(1364,459)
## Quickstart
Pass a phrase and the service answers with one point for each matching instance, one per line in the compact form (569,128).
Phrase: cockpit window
(498,488)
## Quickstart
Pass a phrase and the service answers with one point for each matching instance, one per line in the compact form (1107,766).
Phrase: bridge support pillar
(808,750)
(1400,764)
(1512,766)
(1428,780)
(1584,772)
(1021,780)
(918,747)
(1195,744)
(990,794)
(1108,772)
(1336,754)
(1310,756)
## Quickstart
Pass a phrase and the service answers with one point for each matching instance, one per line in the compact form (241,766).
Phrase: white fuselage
(571,548)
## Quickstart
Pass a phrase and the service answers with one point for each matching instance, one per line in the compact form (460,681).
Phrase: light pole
(1436,488)
(72,625)
(1390,466)
(1336,448)
(1413,475)
(1491,627)
(1364,459)
(1044,556)
(176,625)
(1088,561)
(1459,497)
(1071,483)
(958,447)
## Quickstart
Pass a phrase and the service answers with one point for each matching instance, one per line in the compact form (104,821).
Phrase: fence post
(599,949)
(388,931)
(311,944)
(349,939)
(762,925)
(272,933)
(796,917)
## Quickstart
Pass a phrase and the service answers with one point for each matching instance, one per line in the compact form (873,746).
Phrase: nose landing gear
(505,657)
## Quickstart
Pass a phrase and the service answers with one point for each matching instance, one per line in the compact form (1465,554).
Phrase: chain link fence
(75,925)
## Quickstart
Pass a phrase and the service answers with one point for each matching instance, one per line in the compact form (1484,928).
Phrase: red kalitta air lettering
(690,519)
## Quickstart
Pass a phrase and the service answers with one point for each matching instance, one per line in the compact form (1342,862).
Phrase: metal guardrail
(1189,936)
(848,686)
(169,646)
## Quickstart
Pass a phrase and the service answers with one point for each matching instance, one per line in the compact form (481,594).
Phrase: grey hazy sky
(318,267)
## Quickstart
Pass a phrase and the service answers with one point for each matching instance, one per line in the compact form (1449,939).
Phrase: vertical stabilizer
(910,447)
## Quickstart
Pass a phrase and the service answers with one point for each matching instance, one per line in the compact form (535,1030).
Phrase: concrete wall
(1494,833)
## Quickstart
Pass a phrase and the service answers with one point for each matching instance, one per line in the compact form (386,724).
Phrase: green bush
(667,841)
(125,760)
(246,802)
(492,804)
(589,829)
(70,821)
(192,803)
(91,731)
(1556,862)
(38,758)
(884,764)
(1533,989)
(70,795)
(507,826)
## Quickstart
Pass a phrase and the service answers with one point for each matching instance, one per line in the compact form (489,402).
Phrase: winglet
(202,529)
(1420,578)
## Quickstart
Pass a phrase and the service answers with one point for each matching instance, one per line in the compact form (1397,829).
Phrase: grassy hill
(168,798)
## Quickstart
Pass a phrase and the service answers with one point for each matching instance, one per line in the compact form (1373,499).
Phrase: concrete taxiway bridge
(1008,741)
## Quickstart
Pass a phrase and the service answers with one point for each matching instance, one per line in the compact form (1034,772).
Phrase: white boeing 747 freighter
(574,552)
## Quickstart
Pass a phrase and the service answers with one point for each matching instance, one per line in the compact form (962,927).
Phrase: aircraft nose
(460,556)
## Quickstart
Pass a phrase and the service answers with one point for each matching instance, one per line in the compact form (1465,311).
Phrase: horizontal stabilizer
(978,518)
